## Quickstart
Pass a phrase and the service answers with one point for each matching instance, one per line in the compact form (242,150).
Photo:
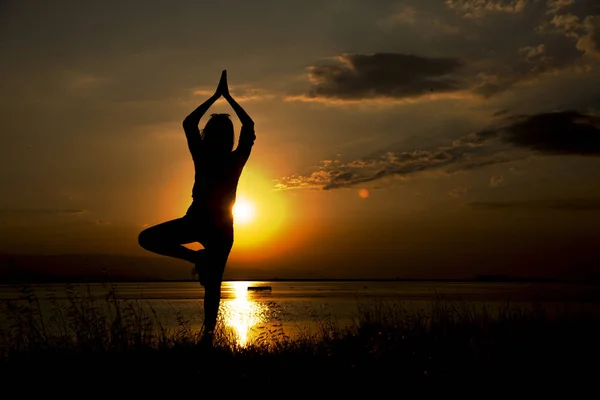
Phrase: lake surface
(296,307)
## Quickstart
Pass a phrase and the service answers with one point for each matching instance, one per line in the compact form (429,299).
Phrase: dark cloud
(568,132)
(359,77)
(558,133)
(392,75)
(563,204)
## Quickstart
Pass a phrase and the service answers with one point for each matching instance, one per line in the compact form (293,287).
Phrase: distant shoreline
(477,280)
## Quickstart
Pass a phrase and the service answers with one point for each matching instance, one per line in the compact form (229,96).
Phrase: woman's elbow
(190,128)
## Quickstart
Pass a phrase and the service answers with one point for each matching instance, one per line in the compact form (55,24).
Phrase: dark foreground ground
(389,352)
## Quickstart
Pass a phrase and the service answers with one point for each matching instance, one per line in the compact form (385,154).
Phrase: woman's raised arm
(239,111)
(190,123)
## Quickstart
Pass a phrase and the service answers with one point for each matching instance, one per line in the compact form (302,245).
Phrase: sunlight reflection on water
(242,313)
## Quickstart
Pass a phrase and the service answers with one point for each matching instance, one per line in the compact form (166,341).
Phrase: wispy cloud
(589,41)
(496,181)
(585,29)
(557,5)
(479,8)
(428,23)
(469,152)
(459,193)
(567,132)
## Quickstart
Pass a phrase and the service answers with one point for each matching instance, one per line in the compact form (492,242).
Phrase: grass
(107,344)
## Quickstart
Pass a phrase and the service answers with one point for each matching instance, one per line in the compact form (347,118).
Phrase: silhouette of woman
(209,219)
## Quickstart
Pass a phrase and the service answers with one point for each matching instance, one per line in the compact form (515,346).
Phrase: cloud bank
(549,37)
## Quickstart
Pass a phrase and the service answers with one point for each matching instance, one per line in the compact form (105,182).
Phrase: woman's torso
(215,187)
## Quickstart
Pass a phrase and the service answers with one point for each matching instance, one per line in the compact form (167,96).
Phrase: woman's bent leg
(167,239)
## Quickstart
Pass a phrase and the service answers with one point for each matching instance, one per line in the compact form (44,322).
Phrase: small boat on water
(259,288)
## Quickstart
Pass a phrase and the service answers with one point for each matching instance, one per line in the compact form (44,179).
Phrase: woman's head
(218,133)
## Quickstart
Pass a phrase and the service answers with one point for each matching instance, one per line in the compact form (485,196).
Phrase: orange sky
(414,139)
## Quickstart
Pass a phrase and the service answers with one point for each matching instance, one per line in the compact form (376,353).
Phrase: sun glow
(243,211)
(260,216)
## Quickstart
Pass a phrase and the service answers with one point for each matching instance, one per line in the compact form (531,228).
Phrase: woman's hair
(218,133)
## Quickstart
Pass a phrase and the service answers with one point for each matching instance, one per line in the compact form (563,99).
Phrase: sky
(412,139)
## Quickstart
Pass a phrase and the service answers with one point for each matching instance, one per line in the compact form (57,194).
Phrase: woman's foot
(200,266)
(207,338)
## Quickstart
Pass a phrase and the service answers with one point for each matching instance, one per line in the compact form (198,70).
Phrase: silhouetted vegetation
(89,340)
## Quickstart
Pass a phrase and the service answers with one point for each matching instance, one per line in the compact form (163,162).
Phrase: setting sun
(260,215)
(243,211)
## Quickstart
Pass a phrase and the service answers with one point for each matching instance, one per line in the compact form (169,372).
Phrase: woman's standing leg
(212,288)
(217,251)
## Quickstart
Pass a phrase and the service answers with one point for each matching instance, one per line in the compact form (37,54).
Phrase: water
(298,307)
